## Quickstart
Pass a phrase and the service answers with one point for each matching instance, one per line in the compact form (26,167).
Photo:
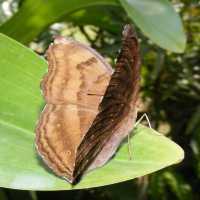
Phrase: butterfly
(89,107)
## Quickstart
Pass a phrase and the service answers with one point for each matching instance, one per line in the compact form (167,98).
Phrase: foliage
(18,125)
(170,82)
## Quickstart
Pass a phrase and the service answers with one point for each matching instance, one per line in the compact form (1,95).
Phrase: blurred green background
(170,86)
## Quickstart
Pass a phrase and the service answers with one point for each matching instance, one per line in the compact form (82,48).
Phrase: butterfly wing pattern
(75,72)
(117,111)
(71,142)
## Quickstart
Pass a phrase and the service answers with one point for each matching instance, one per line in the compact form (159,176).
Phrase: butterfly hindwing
(73,88)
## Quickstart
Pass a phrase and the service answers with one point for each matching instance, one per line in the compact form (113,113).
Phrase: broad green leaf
(156,18)
(159,21)
(35,15)
(21,71)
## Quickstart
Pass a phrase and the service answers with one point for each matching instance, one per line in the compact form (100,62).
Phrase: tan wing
(75,71)
(73,88)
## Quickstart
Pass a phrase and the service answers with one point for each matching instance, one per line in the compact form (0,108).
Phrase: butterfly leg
(129,147)
(129,141)
(141,118)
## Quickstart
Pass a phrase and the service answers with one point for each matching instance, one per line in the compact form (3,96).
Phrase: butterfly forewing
(117,111)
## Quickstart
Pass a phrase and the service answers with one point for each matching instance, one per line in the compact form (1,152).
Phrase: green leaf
(158,20)
(35,15)
(21,102)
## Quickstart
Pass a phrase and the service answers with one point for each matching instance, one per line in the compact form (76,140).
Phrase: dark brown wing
(116,109)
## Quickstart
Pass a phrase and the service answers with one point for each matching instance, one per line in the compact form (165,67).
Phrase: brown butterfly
(89,108)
